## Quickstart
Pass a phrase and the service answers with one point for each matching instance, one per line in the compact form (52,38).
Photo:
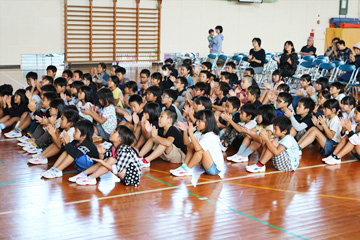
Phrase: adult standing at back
(309,49)
(288,61)
(216,43)
(256,56)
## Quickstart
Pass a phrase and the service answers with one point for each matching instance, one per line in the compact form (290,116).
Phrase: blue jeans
(212,170)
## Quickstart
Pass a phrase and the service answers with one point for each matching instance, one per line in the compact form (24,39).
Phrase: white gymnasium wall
(37,26)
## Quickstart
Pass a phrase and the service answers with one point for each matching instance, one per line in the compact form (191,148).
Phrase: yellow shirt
(116,94)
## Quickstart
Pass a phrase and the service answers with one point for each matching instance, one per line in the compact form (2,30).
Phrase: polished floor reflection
(315,202)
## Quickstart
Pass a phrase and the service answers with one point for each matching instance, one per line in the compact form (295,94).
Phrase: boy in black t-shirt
(301,122)
(252,95)
(221,92)
(166,143)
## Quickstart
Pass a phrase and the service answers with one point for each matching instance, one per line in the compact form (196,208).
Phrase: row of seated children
(157,120)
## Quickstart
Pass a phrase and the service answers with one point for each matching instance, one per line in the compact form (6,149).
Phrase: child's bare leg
(315,134)
(341,144)
(50,151)
(189,153)
(11,121)
(103,170)
(4,119)
(65,163)
(60,159)
(140,142)
(147,147)
(267,154)
(346,149)
(158,151)
(293,132)
(92,169)
(24,122)
(306,135)
(197,158)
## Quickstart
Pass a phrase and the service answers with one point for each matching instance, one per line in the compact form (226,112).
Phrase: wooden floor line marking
(157,190)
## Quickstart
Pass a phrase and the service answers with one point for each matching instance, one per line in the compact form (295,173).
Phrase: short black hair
(226,75)
(183,81)
(154,111)
(306,77)
(169,60)
(6,89)
(68,72)
(155,90)
(286,97)
(106,96)
(220,28)
(61,82)
(341,42)
(86,129)
(87,76)
(208,116)
(258,40)
(208,74)
(115,79)
(348,100)
(235,102)
(132,85)
(80,73)
(49,78)
(325,93)
(157,76)
(77,85)
(338,85)
(126,134)
(224,87)
(146,72)
(48,88)
(203,87)
(103,65)
(249,109)
(284,87)
(187,61)
(59,104)
(335,38)
(22,94)
(205,101)
(231,64)
(120,70)
(166,66)
(188,67)
(51,68)
(308,103)
(71,115)
(88,93)
(268,114)
(136,98)
(332,103)
(254,90)
(171,93)
(32,75)
(284,123)
(211,30)
(171,114)
(207,64)
(324,82)
(251,70)
(50,96)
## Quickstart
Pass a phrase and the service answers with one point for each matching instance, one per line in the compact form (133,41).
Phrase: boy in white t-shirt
(284,152)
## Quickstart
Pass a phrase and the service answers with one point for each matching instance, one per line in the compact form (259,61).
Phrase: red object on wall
(312,33)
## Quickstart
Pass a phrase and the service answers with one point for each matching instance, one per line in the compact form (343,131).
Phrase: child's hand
(289,113)
(127,116)
(154,131)
(183,126)
(32,105)
(250,57)
(135,118)
(143,119)
(310,91)
(51,130)
(39,119)
(172,78)
(322,120)
(191,111)
(8,101)
(63,96)
(299,93)
(97,160)
(315,120)
(101,149)
(263,134)
(227,117)
(148,126)
(232,93)
(241,97)
(267,85)
(276,58)
(348,125)
(187,98)
(186,109)
(66,138)
(28,94)
(238,89)
(191,128)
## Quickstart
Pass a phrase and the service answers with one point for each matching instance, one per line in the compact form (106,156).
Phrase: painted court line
(170,187)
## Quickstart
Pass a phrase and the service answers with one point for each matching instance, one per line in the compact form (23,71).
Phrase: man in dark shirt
(309,49)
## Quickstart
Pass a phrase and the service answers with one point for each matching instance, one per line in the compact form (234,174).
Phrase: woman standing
(256,56)
(288,61)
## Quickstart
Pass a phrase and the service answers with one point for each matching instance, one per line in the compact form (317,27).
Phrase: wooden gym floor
(314,202)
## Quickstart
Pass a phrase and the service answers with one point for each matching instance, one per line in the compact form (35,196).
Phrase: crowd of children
(188,117)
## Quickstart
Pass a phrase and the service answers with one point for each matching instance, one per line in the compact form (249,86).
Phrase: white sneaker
(77,176)
(29,146)
(52,173)
(255,169)
(240,159)
(333,161)
(143,164)
(13,134)
(327,158)
(33,150)
(23,139)
(38,160)
(183,171)
(230,158)
(223,147)
(24,144)
(86,181)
